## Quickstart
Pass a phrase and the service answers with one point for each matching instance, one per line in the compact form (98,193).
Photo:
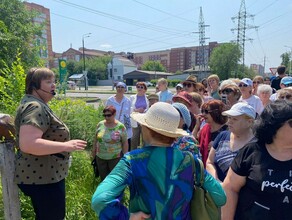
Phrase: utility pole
(203,58)
(241,28)
(83,53)
(264,64)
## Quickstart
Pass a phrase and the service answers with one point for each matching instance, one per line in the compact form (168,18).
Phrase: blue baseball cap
(286,80)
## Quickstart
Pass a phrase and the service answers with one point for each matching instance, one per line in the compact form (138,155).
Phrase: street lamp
(84,71)
(290,58)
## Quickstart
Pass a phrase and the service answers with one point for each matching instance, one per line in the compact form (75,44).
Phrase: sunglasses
(107,115)
(256,82)
(287,97)
(242,85)
(206,111)
(140,87)
(227,91)
(120,87)
(189,85)
(288,85)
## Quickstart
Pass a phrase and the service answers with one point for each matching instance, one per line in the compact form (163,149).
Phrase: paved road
(103,92)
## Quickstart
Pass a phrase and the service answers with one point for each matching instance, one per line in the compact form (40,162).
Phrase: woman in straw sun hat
(160,177)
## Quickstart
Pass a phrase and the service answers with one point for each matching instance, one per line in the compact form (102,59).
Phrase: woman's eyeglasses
(256,82)
(107,115)
(189,85)
(206,111)
(140,87)
(288,85)
(120,87)
(227,91)
(287,97)
(242,85)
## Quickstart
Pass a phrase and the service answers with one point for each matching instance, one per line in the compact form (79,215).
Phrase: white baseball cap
(240,108)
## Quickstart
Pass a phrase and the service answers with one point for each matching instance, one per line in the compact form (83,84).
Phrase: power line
(242,27)
(164,12)
(121,19)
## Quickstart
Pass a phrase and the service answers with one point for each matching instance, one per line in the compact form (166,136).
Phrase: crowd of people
(239,128)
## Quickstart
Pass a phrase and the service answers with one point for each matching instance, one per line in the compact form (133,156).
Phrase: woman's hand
(76,144)
(139,216)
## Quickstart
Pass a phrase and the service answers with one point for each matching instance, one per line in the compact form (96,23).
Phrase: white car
(148,83)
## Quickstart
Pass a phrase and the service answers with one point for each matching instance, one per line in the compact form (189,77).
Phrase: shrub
(80,118)
(12,84)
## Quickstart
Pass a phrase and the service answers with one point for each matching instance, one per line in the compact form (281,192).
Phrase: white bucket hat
(162,118)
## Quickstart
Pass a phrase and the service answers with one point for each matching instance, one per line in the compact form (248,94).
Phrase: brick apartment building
(175,59)
(45,41)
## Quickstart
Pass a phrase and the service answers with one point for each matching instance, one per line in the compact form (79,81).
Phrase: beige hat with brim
(162,118)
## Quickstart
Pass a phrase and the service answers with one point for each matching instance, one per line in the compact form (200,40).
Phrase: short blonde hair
(163,81)
(214,76)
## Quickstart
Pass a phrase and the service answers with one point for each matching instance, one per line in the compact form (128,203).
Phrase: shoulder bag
(202,206)
(127,121)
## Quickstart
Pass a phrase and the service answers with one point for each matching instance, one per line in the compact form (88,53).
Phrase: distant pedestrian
(276,81)
(122,105)
(165,95)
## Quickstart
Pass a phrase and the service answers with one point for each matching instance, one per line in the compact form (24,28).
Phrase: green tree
(153,66)
(97,69)
(224,60)
(18,34)
(286,58)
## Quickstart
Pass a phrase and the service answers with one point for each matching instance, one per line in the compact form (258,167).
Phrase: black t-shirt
(276,83)
(267,194)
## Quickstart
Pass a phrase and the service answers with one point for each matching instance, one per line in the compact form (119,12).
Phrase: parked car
(71,85)
(148,83)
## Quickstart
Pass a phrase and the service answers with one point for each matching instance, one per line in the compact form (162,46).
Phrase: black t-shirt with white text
(267,193)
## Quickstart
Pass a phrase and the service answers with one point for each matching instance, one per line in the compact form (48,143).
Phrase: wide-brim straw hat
(162,118)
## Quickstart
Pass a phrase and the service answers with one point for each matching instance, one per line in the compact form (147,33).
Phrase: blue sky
(141,26)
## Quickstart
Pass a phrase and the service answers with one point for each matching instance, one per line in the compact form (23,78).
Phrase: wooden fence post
(9,188)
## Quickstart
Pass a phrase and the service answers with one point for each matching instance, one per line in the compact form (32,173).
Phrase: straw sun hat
(162,118)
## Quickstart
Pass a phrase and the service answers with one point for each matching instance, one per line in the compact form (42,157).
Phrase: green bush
(80,118)
(12,86)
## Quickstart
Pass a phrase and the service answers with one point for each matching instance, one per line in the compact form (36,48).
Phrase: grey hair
(263,88)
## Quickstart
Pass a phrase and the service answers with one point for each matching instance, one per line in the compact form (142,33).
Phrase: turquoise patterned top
(160,180)
(110,140)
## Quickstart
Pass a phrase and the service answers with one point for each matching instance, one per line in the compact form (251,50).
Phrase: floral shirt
(110,140)
(188,143)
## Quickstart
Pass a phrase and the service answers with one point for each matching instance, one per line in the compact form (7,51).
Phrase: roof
(76,76)
(148,72)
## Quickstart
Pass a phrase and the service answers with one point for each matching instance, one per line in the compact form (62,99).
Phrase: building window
(115,70)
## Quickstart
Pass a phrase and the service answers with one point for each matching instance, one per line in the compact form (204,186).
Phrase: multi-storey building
(258,69)
(45,41)
(162,56)
(176,59)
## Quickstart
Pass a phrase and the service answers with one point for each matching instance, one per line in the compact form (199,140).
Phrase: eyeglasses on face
(189,85)
(120,87)
(242,85)
(140,87)
(256,82)
(107,115)
(288,85)
(206,111)
(287,97)
(227,91)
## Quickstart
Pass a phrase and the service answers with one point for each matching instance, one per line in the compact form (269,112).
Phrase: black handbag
(95,168)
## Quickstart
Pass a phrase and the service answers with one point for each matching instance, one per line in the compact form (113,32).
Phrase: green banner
(62,69)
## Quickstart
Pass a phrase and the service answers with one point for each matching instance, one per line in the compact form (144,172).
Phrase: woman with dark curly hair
(209,124)
(258,184)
